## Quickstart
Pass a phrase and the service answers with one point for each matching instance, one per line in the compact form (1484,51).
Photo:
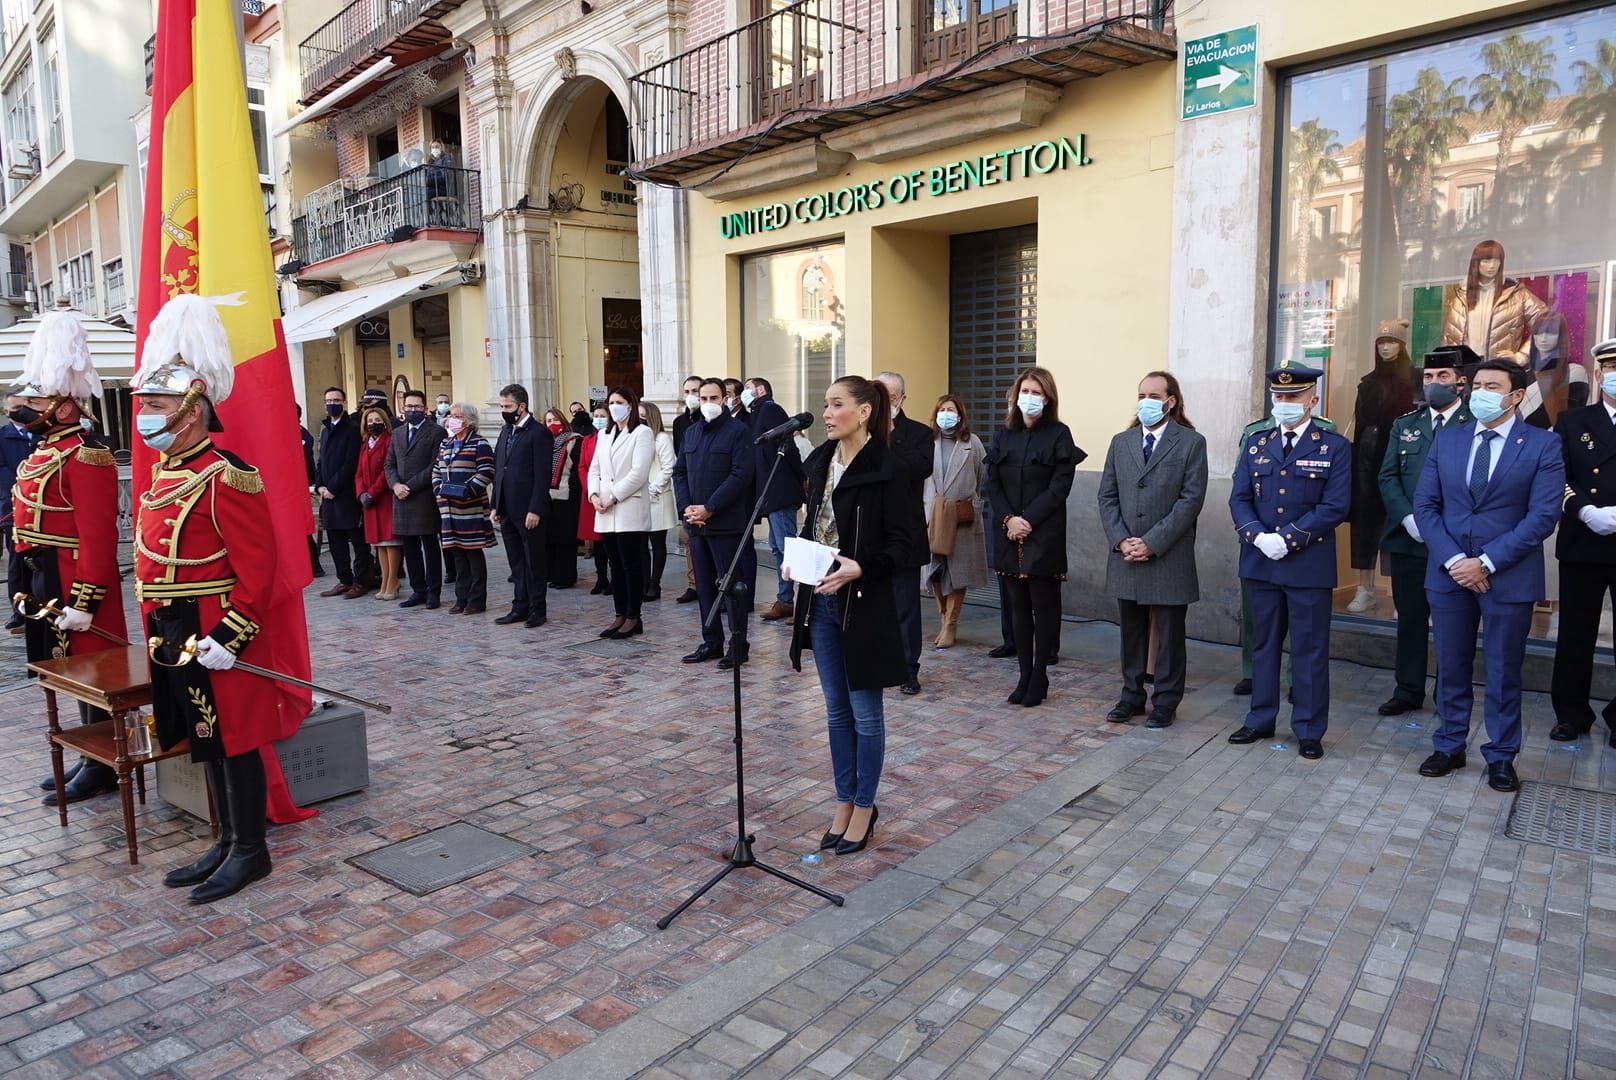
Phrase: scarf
(558,456)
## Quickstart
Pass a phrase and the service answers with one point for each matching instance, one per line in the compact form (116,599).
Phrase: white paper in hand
(807,560)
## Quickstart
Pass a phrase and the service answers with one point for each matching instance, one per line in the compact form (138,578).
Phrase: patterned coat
(468,461)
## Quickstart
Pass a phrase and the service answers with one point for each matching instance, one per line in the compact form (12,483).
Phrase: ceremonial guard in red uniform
(204,569)
(65,519)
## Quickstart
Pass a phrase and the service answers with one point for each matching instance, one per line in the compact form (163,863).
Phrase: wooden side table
(116,680)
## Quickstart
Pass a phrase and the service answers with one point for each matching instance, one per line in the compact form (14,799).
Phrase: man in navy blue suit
(1488,498)
(1292,487)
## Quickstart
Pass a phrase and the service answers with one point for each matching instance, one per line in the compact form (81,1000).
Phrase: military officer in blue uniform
(1292,487)
(1408,443)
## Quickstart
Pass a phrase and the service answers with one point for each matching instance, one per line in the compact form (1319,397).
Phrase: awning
(325,317)
(111,346)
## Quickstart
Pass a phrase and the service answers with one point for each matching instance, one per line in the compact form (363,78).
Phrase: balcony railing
(355,213)
(817,65)
(362,33)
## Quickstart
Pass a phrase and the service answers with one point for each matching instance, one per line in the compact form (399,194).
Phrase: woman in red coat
(376,498)
(586,510)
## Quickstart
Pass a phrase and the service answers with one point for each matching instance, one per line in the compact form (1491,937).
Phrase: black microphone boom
(796,423)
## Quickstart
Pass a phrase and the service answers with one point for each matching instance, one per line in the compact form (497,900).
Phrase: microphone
(796,423)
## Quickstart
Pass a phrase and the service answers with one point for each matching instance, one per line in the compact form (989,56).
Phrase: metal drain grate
(428,862)
(1564,817)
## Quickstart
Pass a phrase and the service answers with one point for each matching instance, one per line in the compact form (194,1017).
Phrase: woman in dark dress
(561,523)
(850,619)
(1030,472)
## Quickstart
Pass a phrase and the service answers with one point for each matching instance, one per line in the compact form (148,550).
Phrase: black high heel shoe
(829,840)
(629,628)
(849,847)
(1037,689)
(1020,692)
(617,624)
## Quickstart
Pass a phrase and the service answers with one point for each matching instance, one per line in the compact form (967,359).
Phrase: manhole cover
(611,650)
(428,862)
(1564,817)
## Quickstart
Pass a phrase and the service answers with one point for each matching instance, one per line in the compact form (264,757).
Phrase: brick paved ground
(1048,895)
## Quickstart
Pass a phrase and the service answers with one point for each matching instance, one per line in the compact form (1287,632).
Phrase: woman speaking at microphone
(849,620)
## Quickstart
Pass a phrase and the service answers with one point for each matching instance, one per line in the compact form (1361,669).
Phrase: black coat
(875,531)
(1588,445)
(681,424)
(1030,472)
(561,523)
(714,469)
(522,471)
(339,460)
(785,490)
(308,455)
(912,447)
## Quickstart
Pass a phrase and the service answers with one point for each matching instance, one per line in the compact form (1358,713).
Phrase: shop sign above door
(1220,72)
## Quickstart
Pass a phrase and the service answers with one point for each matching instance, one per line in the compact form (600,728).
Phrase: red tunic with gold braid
(202,535)
(66,500)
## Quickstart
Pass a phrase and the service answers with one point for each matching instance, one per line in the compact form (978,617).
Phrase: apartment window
(258,116)
(112,286)
(1472,200)
(47,295)
(52,93)
(17,98)
(12,13)
(1323,222)
(77,278)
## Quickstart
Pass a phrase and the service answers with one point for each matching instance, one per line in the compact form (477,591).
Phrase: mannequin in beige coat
(956,473)
(619,489)
(1490,312)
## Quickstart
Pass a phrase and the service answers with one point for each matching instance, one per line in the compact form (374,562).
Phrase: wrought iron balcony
(814,66)
(360,211)
(364,32)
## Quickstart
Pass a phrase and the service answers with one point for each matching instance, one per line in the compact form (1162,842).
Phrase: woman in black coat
(1030,467)
(561,523)
(850,620)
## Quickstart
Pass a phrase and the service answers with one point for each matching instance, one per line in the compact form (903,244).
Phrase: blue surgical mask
(1150,411)
(1607,383)
(747,397)
(152,434)
(1486,405)
(600,423)
(1289,413)
(443,409)
(1031,405)
(947,420)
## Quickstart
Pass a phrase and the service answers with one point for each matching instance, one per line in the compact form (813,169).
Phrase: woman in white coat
(619,490)
(664,515)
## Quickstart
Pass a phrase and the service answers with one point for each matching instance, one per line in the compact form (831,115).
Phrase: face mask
(600,423)
(376,429)
(1030,405)
(443,410)
(729,403)
(692,402)
(894,412)
(1150,411)
(1486,405)
(436,153)
(454,425)
(86,423)
(947,420)
(334,411)
(619,412)
(152,433)
(414,416)
(1289,413)
(25,416)
(747,397)
(1607,383)
(711,409)
(555,427)
(1440,395)
(511,417)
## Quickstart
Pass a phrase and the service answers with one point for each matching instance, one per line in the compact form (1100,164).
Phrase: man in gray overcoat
(1150,497)
(409,463)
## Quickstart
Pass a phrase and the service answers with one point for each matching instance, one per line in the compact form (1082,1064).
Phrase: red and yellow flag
(204,232)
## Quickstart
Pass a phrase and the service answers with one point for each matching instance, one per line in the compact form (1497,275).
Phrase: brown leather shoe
(338,589)
(776,612)
(354,592)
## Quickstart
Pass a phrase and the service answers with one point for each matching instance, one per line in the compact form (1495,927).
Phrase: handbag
(942,526)
(454,490)
(964,512)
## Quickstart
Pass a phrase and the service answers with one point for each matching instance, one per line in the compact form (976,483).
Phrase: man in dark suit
(410,457)
(16,443)
(1150,497)
(912,450)
(1487,499)
(339,503)
(712,483)
(308,467)
(681,423)
(1292,487)
(1408,444)
(785,492)
(1586,550)
(521,499)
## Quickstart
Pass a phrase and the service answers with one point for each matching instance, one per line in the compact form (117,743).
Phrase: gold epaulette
(245,480)
(95,455)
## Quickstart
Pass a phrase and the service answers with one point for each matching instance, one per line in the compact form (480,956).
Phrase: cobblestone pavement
(1047,894)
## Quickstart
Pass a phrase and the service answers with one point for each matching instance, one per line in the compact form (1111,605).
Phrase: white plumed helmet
(187,351)
(58,362)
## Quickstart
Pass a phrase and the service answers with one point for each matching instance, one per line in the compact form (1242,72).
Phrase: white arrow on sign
(1225,78)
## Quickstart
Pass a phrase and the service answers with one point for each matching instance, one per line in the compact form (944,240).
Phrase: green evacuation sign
(1220,72)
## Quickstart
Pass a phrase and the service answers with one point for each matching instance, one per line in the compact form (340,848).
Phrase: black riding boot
(248,859)
(203,868)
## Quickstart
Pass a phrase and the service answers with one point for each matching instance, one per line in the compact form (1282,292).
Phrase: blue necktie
(1150,445)
(1482,466)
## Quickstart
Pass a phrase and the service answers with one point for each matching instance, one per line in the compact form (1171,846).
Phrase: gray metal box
(327,756)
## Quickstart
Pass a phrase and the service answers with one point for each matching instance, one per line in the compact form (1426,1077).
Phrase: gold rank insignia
(1587,441)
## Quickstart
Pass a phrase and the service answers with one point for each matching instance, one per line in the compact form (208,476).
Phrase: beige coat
(621,467)
(968,566)
(1514,308)
(663,514)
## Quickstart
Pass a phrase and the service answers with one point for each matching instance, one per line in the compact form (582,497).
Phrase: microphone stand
(740,857)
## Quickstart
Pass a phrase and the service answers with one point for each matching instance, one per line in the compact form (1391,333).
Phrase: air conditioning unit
(21,154)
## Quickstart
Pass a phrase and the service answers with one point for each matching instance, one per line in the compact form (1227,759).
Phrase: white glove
(1271,545)
(213,656)
(1412,529)
(73,620)
(1601,519)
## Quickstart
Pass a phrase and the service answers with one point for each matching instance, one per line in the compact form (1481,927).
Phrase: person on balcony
(439,185)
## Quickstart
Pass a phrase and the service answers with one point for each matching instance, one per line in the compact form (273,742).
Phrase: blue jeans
(855,718)
(782,523)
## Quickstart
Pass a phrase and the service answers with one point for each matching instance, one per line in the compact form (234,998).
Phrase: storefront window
(1400,176)
(792,323)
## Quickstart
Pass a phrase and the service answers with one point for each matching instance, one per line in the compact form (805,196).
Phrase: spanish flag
(204,232)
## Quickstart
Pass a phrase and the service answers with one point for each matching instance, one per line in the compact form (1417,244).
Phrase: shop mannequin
(1490,312)
(1384,394)
(1562,380)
